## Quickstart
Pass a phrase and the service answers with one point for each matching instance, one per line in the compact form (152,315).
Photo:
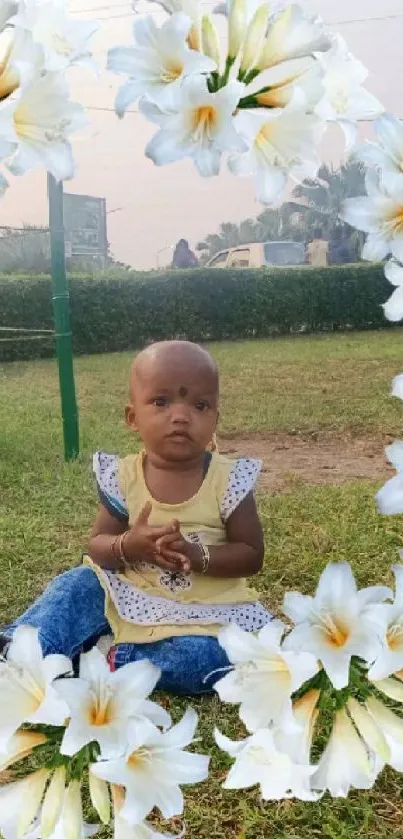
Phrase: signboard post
(85,227)
(61,309)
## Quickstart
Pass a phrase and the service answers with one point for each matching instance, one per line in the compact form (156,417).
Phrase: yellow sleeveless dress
(148,604)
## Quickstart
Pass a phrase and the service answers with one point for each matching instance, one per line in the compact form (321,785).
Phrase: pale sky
(150,208)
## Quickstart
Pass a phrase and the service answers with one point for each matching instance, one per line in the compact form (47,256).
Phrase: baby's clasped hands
(146,542)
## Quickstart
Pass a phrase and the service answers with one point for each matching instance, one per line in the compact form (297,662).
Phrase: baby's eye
(160,401)
(202,405)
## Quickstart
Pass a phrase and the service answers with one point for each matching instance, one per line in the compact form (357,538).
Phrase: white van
(259,255)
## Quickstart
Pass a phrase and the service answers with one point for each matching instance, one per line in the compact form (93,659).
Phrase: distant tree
(24,250)
(270,225)
(27,251)
(322,202)
(315,203)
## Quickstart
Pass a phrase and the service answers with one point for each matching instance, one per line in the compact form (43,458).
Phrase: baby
(177,533)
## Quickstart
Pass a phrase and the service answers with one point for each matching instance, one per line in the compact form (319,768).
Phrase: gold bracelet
(205,557)
(118,550)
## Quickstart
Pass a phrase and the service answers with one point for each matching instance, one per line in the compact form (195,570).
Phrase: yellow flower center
(203,120)
(61,45)
(340,102)
(27,129)
(394,637)
(24,681)
(266,144)
(9,76)
(336,632)
(394,221)
(171,73)
(138,758)
(101,710)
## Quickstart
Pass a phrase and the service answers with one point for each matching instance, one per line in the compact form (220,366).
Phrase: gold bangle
(205,557)
(122,555)
(118,550)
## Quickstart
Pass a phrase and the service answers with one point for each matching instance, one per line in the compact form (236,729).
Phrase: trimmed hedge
(110,315)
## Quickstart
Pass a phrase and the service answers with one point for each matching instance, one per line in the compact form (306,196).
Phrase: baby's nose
(180,413)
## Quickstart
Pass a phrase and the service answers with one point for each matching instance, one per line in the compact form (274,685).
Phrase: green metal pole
(61,310)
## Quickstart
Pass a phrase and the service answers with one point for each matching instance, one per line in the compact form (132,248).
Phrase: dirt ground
(321,459)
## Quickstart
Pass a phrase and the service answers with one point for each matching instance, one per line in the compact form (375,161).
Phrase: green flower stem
(213,82)
(225,77)
(248,77)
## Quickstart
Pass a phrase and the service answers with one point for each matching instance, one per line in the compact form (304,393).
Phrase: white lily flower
(397,384)
(27,685)
(368,729)
(53,802)
(237,23)
(393,308)
(392,688)
(292,34)
(255,38)
(72,814)
(345,763)
(71,822)
(335,625)
(190,8)
(387,153)
(34,127)
(210,40)
(153,767)
(281,91)
(8,8)
(201,128)
(280,143)
(21,745)
(389,618)
(390,496)
(124,830)
(392,728)
(35,831)
(103,704)
(264,676)
(346,101)
(158,63)
(297,743)
(20,802)
(65,42)
(20,58)
(99,794)
(258,761)
(380,214)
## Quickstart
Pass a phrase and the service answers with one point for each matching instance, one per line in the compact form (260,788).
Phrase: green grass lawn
(325,383)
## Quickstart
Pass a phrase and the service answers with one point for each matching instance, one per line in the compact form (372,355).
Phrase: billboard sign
(85,225)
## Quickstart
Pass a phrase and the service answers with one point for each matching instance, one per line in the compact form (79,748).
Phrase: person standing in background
(183,257)
(340,251)
(317,251)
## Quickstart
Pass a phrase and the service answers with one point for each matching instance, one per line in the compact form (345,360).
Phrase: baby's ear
(130,417)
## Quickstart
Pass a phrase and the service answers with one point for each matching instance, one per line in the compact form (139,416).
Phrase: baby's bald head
(174,391)
(181,360)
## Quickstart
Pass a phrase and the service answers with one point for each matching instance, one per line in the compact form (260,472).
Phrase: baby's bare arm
(241,556)
(103,535)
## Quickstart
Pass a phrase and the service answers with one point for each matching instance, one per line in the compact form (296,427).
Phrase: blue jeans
(70,618)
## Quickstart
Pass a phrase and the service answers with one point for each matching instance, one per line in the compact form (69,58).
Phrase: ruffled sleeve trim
(241,482)
(106,471)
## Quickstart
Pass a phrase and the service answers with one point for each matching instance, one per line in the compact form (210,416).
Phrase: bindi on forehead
(183,391)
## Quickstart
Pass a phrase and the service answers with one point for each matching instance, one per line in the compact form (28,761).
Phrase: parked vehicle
(259,255)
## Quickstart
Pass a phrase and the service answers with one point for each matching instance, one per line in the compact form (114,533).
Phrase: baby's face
(175,407)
